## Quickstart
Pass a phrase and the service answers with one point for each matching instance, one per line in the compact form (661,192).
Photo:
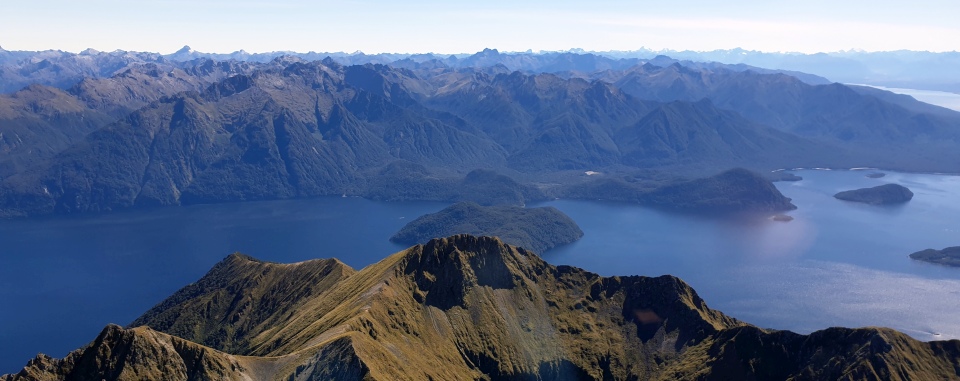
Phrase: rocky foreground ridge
(472,308)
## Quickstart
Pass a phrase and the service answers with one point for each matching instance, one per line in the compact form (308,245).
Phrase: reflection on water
(837,263)
(62,279)
(939,98)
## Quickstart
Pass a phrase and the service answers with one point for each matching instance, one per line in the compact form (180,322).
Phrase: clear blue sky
(454,27)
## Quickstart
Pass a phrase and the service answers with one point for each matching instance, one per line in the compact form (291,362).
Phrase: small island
(536,229)
(876,175)
(783,176)
(947,257)
(781,218)
(879,195)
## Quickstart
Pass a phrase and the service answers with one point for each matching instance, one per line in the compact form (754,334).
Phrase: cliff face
(469,307)
(140,354)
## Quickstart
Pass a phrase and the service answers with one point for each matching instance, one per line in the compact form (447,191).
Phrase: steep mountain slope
(547,123)
(892,132)
(482,307)
(292,131)
(681,133)
(209,313)
(61,69)
(473,308)
(295,129)
(143,354)
(543,121)
(38,122)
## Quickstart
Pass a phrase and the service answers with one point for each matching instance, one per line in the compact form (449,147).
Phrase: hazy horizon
(421,26)
(533,51)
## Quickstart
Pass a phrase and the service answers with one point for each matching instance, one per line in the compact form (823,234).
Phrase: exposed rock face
(878,195)
(947,257)
(537,229)
(138,354)
(466,308)
(239,297)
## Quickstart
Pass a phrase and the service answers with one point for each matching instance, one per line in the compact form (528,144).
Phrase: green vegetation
(467,308)
(878,195)
(203,131)
(733,191)
(736,190)
(947,257)
(536,229)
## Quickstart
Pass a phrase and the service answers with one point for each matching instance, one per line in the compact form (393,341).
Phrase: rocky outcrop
(466,308)
(138,354)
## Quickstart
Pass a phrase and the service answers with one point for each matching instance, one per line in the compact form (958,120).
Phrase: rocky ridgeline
(468,308)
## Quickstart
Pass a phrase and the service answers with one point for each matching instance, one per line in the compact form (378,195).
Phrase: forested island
(537,229)
(879,195)
(947,257)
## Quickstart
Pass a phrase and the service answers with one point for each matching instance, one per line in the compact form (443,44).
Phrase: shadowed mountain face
(38,121)
(686,133)
(208,131)
(863,121)
(295,129)
(469,307)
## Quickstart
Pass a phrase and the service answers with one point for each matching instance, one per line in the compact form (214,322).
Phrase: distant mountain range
(63,69)
(467,308)
(166,133)
(903,68)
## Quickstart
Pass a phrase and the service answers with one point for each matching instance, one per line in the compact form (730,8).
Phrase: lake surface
(62,279)
(838,263)
(940,98)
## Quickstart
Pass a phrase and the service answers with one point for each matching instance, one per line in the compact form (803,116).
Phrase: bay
(836,264)
(63,278)
(939,98)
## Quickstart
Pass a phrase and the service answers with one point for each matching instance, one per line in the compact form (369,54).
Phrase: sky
(421,26)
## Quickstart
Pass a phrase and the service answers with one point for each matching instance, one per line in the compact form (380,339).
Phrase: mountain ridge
(298,129)
(467,307)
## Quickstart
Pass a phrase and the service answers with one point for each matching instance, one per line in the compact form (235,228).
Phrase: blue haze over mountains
(100,131)
(96,132)
(905,69)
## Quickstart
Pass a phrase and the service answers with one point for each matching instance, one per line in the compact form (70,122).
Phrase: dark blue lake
(838,263)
